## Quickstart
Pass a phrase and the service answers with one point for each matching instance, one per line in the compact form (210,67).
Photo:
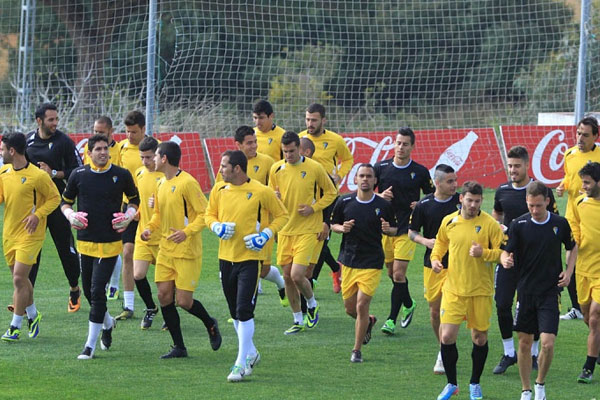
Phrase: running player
(428,214)
(534,246)
(472,239)
(362,218)
(268,135)
(400,180)
(243,236)
(29,196)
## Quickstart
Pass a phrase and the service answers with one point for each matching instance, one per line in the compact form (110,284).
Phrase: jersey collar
(401,166)
(99,170)
(543,222)
(365,201)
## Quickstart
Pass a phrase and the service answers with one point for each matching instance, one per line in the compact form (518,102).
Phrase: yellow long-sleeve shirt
(147,182)
(574,161)
(269,143)
(258,168)
(585,213)
(331,152)
(468,276)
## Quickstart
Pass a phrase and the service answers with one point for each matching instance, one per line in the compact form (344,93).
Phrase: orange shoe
(74,307)
(337,284)
(11,308)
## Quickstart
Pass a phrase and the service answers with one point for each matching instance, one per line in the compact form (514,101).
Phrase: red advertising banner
(546,146)
(214,148)
(192,158)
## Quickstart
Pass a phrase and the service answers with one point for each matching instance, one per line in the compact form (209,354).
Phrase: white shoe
(540,392)
(236,374)
(251,362)
(260,291)
(526,395)
(438,368)
(573,313)
(86,354)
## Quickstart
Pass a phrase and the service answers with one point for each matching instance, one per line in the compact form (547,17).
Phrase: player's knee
(264,270)
(244,314)
(138,274)
(548,345)
(20,281)
(165,298)
(184,301)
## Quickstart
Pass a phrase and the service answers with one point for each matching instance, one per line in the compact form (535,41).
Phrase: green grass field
(313,364)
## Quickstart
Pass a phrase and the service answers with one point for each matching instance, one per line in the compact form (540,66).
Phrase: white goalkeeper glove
(122,220)
(77,219)
(256,241)
(224,230)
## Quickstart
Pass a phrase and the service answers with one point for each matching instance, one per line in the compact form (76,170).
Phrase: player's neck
(43,135)
(522,183)
(171,171)
(318,134)
(364,195)
(401,162)
(19,162)
(239,179)
(441,196)
(542,219)
(465,215)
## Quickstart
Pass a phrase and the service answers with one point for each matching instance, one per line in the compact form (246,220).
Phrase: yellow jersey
(573,162)
(258,169)
(269,143)
(585,213)
(331,152)
(114,152)
(146,182)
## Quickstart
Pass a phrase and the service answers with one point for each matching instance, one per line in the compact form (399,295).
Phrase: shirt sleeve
(211,212)
(49,191)
(552,206)
(415,222)
(567,237)
(279,214)
(511,243)
(195,198)
(497,202)
(337,214)
(389,215)
(71,156)
(496,237)
(130,190)
(72,189)
(440,248)
(345,158)
(575,220)
(154,222)
(426,183)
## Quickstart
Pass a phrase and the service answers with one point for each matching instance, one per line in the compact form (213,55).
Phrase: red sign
(546,146)
(214,148)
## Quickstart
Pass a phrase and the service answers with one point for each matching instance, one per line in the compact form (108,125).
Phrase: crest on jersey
(555,229)
(49,145)
(248,195)
(412,175)
(23,179)
(115,179)
(377,211)
(270,140)
(303,174)
(325,144)
(477,228)
(256,168)
(172,189)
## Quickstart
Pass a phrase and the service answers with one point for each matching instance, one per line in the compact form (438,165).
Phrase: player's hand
(336,178)
(77,219)
(305,210)
(507,261)
(223,230)
(385,226)
(145,236)
(324,233)
(256,241)
(412,205)
(347,226)
(387,194)
(504,228)
(151,201)
(429,243)
(44,167)
(476,250)
(121,220)
(560,190)
(436,266)
(31,223)
(177,236)
(563,279)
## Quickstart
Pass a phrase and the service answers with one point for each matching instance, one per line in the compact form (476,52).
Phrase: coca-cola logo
(552,157)
(381,151)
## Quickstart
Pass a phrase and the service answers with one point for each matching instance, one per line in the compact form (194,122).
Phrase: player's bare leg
(357,307)
(524,359)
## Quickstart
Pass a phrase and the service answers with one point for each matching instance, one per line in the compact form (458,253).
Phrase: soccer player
(585,213)
(509,203)
(575,158)
(268,135)
(55,153)
(428,214)
(362,217)
(99,188)
(29,196)
(298,179)
(179,206)
(243,236)
(534,248)
(472,239)
(400,180)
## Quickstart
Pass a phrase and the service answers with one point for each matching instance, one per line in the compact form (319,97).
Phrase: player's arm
(575,223)
(345,158)
(122,220)
(414,228)
(497,211)
(48,189)
(329,190)
(338,225)
(496,238)
(78,220)
(571,252)
(507,256)
(426,182)
(552,206)
(440,248)
(197,201)
(278,212)
(389,225)
(154,222)
(223,229)
(71,159)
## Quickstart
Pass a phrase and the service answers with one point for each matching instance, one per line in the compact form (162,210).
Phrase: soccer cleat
(236,374)
(438,368)
(251,362)
(106,338)
(86,354)
(356,356)
(125,314)
(584,377)
(214,335)
(12,334)
(475,391)
(526,395)
(573,313)
(175,352)
(296,328)
(407,314)
(164,327)
(448,391)
(148,318)
(372,321)
(283,298)
(74,301)
(312,315)
(505,362)
(336,281)
(11,308)
(540,392)
(112,293)
(388,327)
(534,363)
(34,325)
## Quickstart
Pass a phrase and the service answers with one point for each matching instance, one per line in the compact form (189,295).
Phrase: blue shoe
(12,334)
(475,391)
(449,391)
(34,325)
(312,315)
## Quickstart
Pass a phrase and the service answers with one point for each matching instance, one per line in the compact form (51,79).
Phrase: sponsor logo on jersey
(477,228)
(115,179)
(248,195)
(23,179)
(256,168)
(172,189)
(303,174)
(325,144)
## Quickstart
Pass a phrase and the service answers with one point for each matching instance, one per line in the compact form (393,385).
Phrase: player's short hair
(316,107)
(95,139)
(135,118)
(148,143)
(441,170)
(536,188)
(366,165)
(307,144)
(262,106)
(241,133)
(471,187)
(519,152)
(40,112)
(591,169)
(590,121)
(237,157)
(103,119)
(15,140)
(406,131)
(290,137)
(171,150)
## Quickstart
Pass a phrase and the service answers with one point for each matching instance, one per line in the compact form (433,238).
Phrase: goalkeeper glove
(77,219)
(122,220)
(223,230)
(256,241)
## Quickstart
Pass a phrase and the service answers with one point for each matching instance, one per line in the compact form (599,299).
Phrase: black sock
(572,289)
(396,302)
(590,363)
(145,292)
(405,295)
(450,357)
(74,294)
(479,355)
(303,306)
(171,317)
(199,311)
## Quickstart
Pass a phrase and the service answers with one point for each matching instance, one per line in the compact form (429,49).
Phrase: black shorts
(240,281)
(128,236)
(537,314)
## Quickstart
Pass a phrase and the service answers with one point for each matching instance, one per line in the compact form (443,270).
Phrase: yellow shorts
(317,252)
(432,284)
(296,249)
(184,271)
(398,248)
(143,251)
(268,249)
(588,289)
(354,279)
(476,310)
(24,252)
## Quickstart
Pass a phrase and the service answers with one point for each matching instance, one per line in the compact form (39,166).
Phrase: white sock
(534,348)
(311,303)
(93,333)
(245,334)
(259,286)
(31,311)
(236,322)
(509,347)
(128,299)
(439,356)
(116,275)
(17,321)
(275,276)
(298,319)
(108,321)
